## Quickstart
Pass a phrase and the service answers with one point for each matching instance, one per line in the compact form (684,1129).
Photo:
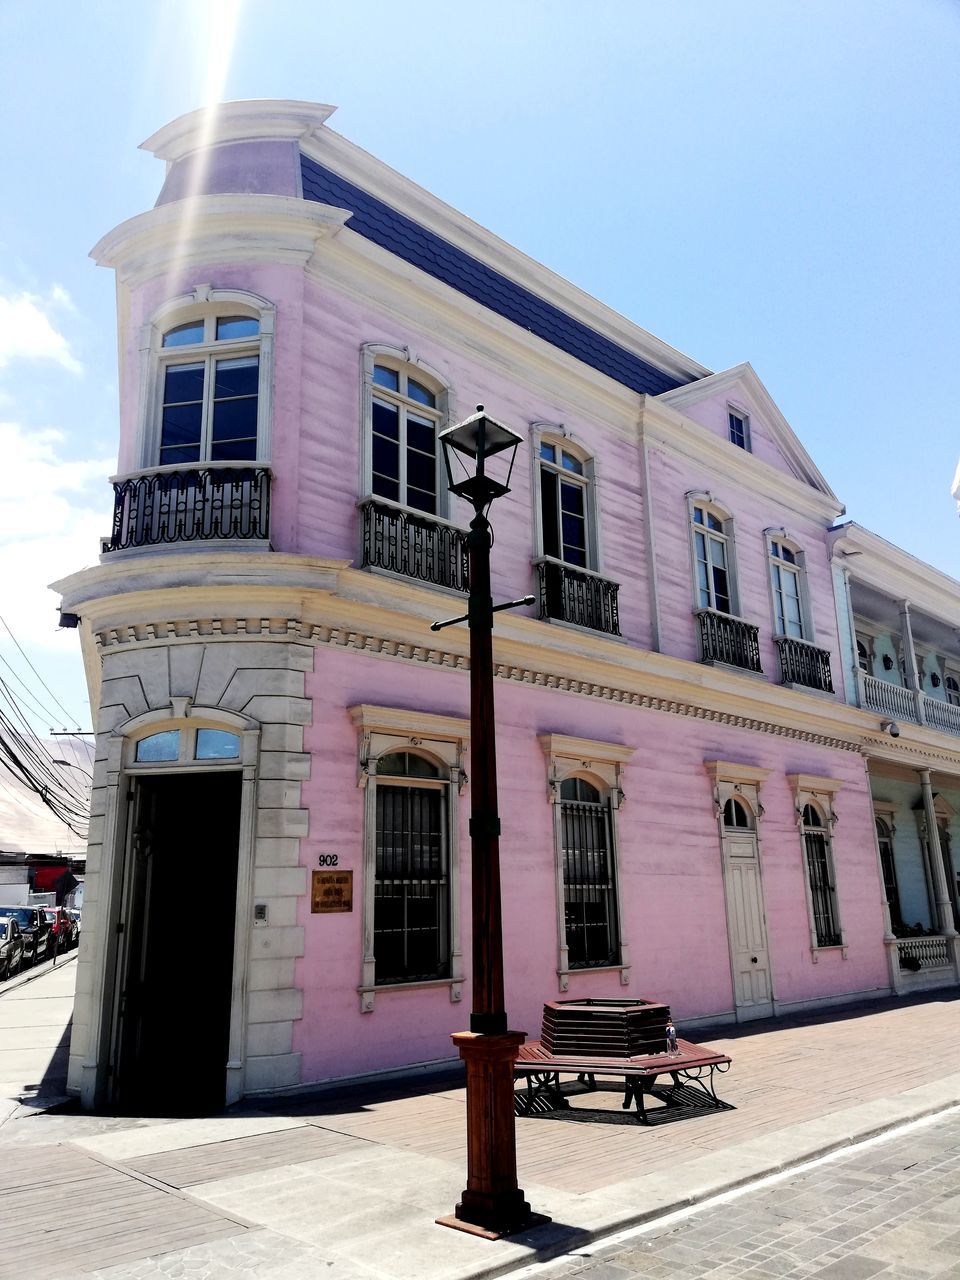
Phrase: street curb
(664,1203)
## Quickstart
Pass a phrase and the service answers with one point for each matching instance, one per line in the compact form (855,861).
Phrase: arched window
(712,530)
(889,868)
(737,815)
(952,687)
(411,889)
(821,877)
(864,660)
(405,411)
(589,880)
(787,583)
(209,391)
(187,745)
(565,504)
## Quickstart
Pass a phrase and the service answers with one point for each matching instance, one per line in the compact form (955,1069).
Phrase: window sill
(368,994)
(564,975)
(817,952)
(808,688)
(732,667)
(243,546)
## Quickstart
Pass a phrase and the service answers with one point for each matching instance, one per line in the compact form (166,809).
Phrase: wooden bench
(692,1065)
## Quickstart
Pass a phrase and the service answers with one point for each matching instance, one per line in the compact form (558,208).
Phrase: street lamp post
(492,1205)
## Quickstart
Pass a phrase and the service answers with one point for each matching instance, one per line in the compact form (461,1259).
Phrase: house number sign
(328,860)
(331,891)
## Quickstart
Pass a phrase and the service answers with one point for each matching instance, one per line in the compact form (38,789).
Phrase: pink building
(277,876)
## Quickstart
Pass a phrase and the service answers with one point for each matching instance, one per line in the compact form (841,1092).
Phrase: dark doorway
(176,945)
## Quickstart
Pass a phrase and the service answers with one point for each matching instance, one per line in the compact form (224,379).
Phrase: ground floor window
(589,885)
(823,890)
(890,887)
(411,893)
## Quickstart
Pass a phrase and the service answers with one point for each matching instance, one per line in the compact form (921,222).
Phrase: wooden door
(746,925)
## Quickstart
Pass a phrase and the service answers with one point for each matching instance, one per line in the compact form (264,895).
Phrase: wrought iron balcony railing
(190,504)
(803,663)
(578,595)
(729,640)
(416,545)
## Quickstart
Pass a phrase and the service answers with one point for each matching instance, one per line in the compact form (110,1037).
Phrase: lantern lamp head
(479,438)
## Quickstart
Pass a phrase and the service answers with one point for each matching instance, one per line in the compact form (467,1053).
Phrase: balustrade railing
(803,663)
(729,640)
(941,715)
(889,699)
(577,595)
(923,953)
(414,544)
(190,505)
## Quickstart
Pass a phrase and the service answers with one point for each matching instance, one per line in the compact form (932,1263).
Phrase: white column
(935,857)
(910,657)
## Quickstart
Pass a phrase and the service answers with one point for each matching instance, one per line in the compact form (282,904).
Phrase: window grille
(589,887)
(823,892)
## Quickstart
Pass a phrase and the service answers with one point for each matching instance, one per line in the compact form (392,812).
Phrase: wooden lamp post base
(492,1205)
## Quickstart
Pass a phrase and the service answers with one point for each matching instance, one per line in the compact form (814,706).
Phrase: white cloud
(27,333)
(53,511)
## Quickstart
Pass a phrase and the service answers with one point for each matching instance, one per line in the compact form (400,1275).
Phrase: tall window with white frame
(738,426)
(411,893)
(589,879)
(210,371)
(786,581)
(821,877)
(951,686)
(563,505)
(711,551)
(404,421)
(891,887)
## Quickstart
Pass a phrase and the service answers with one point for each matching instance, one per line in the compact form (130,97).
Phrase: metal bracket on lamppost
(491,1205)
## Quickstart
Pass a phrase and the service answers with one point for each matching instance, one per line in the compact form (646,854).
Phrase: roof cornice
(895,573)
(671,430)
(213,229)
(245,121)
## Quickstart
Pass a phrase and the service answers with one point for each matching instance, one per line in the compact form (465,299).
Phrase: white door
(746,925)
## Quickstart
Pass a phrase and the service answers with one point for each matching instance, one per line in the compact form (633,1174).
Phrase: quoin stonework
(728,727)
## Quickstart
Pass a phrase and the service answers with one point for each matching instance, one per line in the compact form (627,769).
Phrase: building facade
(693,768)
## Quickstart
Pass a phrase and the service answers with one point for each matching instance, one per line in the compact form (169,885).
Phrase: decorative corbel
(363,768)
(181,707)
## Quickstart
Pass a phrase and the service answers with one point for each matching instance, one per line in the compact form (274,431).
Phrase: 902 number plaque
(328,860)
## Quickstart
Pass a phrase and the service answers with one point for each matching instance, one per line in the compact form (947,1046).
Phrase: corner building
(278,872)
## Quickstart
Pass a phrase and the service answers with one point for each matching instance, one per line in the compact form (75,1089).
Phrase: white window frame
(810,789)
(602,764)
(408,365)
(733,411)
(556,436)
(798,569)
(443,740)
(952,695)
(708,503)
(207,304)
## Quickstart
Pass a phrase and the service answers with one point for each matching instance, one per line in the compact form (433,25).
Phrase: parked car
(35,929)
(62,928)
(75,917)
(11,947)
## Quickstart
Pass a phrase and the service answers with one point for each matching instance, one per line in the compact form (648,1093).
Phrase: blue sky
(772,182)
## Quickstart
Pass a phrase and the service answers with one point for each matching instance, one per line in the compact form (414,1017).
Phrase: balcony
(941,715)
(579,596)
(413,544)
(917,954)
(804,664)
(729,640)
(194,503)
(888,699)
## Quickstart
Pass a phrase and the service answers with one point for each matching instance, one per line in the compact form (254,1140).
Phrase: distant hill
(26,824)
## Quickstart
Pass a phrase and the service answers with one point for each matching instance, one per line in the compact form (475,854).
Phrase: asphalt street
(890,1209)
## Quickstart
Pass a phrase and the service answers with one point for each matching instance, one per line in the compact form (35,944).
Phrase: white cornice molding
(583,749)
(373,719)
(895,573)
(372,175)
(216,229)
(672,430)
(745,376)
(243,121)
(813,784)
(731,771)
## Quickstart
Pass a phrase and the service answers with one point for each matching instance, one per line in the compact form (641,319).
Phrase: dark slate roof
(439,258)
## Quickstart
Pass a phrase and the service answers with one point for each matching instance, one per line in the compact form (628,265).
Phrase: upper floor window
(210,390)
(564,504)
(952,687)
(786,581)
(712,555)
(404,418)
(208,360)
(738,425)
(864,657)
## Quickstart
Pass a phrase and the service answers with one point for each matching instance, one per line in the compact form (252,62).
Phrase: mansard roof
(375,220)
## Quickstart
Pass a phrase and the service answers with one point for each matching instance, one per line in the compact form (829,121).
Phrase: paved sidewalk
(35,1012)
(347,1185)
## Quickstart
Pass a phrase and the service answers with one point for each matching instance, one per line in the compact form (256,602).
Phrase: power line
(37,673)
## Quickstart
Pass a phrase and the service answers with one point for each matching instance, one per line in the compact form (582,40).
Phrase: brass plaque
(331,891)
